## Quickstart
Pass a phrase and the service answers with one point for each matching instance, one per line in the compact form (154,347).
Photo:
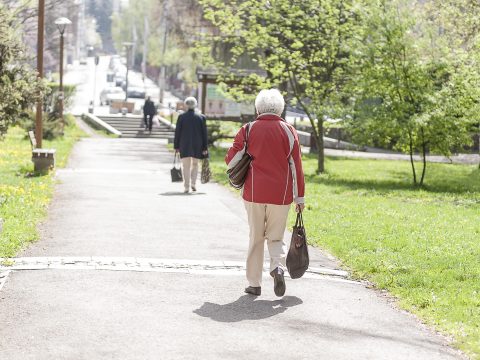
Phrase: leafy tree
(457,21)
(19,85)
(25,13)
(183,22)
(306,45)
(102,11)
(410,97)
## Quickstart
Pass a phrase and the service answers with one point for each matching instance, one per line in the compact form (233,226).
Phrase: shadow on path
(181,193)
(247,308)
(344,334)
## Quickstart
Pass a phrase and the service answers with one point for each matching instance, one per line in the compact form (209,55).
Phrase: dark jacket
(191,135)
(149,108)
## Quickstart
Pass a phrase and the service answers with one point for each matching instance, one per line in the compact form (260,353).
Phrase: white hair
(269,101)
(190,102)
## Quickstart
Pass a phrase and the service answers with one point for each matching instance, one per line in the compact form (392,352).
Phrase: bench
(43,159)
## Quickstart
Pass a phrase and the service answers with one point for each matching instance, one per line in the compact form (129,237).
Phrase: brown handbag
(206,172)
(297,257)
(238,173)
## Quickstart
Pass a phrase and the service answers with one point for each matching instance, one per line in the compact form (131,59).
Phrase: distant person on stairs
(149,111)
(191,141)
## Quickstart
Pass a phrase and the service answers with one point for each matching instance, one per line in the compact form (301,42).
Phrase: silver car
(109,94)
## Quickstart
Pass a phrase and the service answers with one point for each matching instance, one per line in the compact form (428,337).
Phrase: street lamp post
(61,25)
(40,46)
(128,47)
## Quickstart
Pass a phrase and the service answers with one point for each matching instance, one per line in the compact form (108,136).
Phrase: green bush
(52,127)
(221,130)
(19,85)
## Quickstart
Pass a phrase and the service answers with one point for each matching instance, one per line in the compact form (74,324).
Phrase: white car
(110,94)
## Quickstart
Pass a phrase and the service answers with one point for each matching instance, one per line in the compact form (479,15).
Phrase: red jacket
(276,174)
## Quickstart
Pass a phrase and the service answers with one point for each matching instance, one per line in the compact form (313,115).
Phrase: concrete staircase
(132,127)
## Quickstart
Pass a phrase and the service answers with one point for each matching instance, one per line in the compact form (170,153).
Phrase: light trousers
(190,171)
(267,222)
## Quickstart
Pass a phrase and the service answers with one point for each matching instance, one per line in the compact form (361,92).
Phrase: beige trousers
(190,172)
(267,222)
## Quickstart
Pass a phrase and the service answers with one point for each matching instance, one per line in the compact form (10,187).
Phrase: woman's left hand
(205,152)
(299,207)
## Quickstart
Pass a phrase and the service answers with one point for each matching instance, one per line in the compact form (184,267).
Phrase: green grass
(422,245)
(24,198)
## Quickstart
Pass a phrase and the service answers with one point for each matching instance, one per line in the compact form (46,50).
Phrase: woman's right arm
(237,150)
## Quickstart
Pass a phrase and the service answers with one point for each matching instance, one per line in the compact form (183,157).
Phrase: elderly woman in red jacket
(274,181)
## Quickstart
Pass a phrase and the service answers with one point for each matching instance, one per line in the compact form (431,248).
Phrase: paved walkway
(128,267)
(467,159)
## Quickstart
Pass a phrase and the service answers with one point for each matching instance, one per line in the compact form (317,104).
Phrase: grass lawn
(24,198)
(422,245)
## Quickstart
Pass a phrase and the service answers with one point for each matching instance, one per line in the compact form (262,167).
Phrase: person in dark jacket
(191,141)
(149,111)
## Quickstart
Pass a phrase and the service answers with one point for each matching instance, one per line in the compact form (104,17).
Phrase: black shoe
(278,282)
(253,290)
(194,188)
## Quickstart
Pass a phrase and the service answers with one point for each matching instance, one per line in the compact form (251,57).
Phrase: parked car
(110,94)
(114,62)
(136,93)
(119,80)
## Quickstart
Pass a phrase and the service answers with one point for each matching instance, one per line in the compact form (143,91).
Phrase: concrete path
(129,267)
(465,159)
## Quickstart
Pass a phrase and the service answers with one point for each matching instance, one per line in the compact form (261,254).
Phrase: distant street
(89,80)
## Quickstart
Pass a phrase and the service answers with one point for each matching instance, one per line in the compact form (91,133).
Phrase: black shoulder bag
(176,173)
(238,173)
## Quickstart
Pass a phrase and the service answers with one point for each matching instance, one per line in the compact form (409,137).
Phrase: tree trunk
(424,155)
(317,132)
(410,145)
(320,146)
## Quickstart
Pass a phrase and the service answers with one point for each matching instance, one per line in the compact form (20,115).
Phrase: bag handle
(299,221)
(175,158)
(247,131)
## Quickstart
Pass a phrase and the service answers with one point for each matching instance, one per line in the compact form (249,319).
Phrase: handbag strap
(175,158)
(247,131)
(299,221)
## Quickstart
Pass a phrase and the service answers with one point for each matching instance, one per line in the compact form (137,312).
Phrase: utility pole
(97,61)
(128,47)
(134,46)
(61,96)
(146,34)
(40,39)
(164,49)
